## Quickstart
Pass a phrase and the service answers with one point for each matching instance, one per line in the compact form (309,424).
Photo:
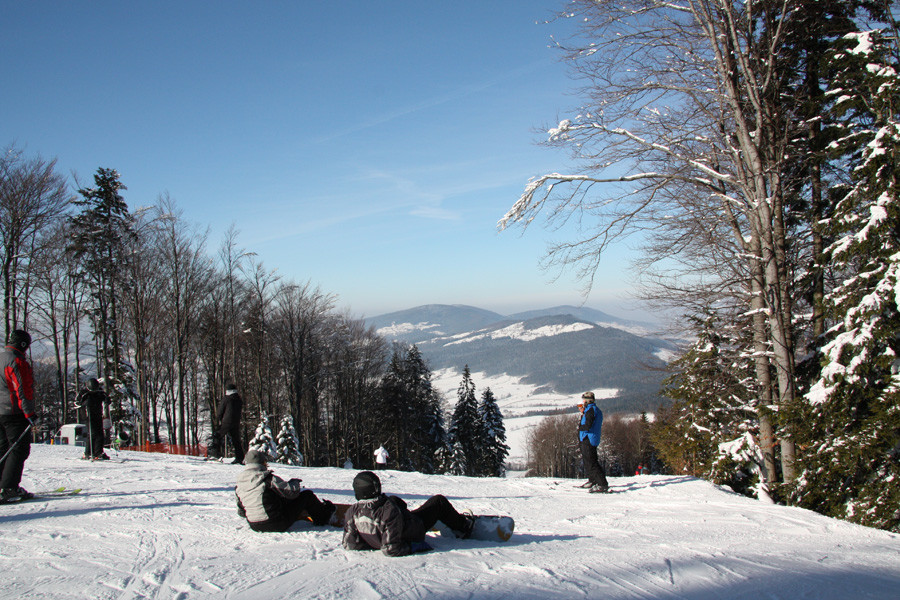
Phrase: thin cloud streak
(462,92)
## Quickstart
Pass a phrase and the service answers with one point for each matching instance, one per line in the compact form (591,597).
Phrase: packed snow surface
(157,526)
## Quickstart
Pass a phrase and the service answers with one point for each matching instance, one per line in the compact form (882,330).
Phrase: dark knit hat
(366,485)
(20,339)
(589,396)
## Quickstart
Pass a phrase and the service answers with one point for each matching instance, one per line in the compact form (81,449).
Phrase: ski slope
(156,526)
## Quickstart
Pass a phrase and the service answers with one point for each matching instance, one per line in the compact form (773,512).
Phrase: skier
(229,415)
(378,521)
(269,503)
(589,438)
(381,457)
(93,399)
(16,416)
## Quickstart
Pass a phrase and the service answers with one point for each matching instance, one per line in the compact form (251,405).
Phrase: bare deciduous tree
(686,133)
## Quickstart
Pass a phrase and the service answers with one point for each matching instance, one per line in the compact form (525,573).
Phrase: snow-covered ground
(517,331)
(516,401)
(156,526)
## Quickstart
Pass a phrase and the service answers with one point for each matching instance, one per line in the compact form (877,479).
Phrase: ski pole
(15,443)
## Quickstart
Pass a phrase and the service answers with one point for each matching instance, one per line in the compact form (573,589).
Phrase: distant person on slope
(16,414)
(93,399)
(381,457)
(588,439)
(229,415)
(381,522)
(269,503)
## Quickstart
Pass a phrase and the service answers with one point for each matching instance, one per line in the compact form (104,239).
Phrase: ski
(59,492)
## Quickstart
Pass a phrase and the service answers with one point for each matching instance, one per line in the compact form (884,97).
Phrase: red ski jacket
(19,382)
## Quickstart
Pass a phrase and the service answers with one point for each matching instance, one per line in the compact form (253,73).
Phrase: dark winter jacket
(383,523)
(229,412)
(591,423)
(19,383)
(94,400)
(260,494)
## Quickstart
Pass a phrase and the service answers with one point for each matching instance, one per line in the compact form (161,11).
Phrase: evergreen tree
(853,433)
(444,460)
(466,430)
(427,435)
(412,416)
(493,446)
(288,444)
(100,233)
(393,409)
(262,440)
(455,459)
(712,397)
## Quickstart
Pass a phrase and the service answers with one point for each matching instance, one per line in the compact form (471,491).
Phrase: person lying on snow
(378,521)
(269,503)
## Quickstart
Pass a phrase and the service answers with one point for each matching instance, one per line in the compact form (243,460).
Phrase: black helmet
(20,339)
(366,485)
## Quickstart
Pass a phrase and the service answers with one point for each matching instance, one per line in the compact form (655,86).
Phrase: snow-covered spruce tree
(288,444)
(100,232)
(852,463)
(493,446)
(262,440)
(411,417)
(427,437)
(464,434)
(713,404)
(455,460)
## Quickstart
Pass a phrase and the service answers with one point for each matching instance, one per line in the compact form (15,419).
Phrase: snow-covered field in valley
(158,526)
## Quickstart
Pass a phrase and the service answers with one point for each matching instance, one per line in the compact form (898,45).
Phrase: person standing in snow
(378,521)
(381,457)
(229,415)
(94,399)
(16,416)
(269,503)
(588,439)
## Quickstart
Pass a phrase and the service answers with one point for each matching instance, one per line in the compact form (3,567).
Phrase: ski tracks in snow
(158,527)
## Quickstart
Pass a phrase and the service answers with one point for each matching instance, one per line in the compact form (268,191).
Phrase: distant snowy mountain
(592,315)
(564,350)
(423,323)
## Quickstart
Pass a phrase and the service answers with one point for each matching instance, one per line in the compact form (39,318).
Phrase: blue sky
(368,147)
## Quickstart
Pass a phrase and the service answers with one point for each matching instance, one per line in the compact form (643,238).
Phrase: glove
(416,547)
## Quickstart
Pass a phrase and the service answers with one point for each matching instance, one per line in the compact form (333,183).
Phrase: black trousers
(592,468)
(234,432)
(438,508)
(11,430)
(95,438)
(293,508)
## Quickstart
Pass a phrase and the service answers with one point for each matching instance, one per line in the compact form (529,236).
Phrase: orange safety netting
(197,450)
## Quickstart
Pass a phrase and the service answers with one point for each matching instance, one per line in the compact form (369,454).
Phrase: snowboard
(489,528)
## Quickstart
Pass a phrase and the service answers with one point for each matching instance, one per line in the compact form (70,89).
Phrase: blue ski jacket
(591,423)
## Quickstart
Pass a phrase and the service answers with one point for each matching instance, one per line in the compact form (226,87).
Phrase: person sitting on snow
(269,503)
(378,521)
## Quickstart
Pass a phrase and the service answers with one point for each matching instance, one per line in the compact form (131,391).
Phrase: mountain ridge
(550,349)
